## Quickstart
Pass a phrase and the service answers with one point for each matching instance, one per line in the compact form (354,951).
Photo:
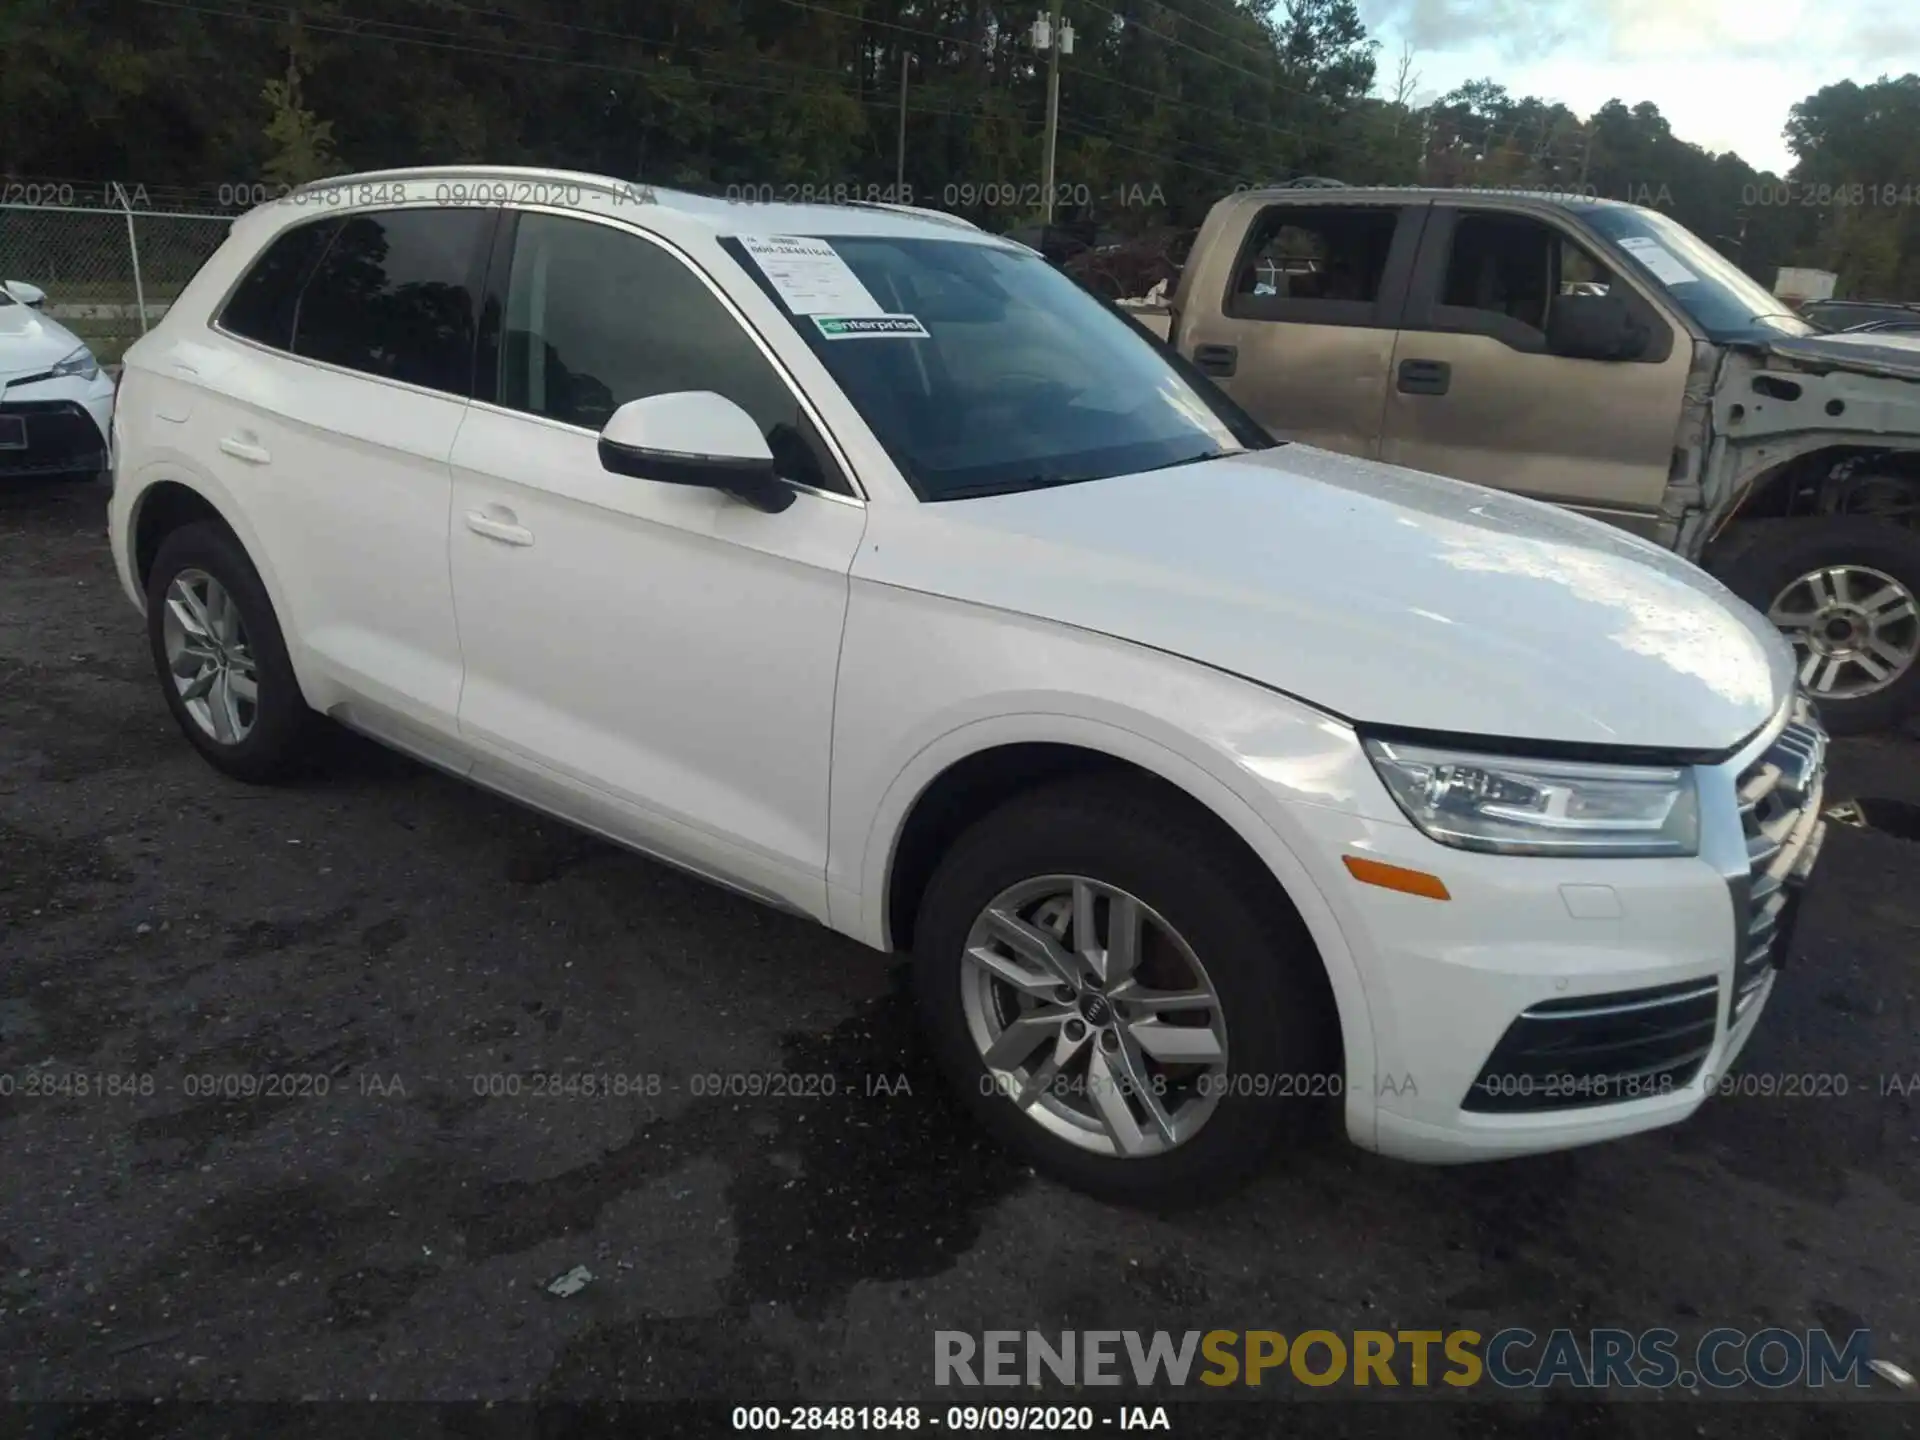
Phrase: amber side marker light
(1396,877)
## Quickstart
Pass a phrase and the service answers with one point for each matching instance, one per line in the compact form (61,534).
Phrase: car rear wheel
(222,663)
(1119,994)
(1846,591)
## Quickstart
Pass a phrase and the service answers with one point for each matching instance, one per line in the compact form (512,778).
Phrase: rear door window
(397,295)
(1322,264)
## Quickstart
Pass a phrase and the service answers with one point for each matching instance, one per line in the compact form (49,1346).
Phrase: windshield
(1721,298)
(983,370)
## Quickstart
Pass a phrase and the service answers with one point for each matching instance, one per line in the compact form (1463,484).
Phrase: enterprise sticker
(869,327)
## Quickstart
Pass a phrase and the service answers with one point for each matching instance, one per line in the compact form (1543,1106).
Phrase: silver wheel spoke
(1893,654)
(1086,934)
(1131,994)
(201,682)
(1889,602)
(1103,1087)
(1872,666)
(1044,1074)
(1021,1039)
(1122,951)
(1034,946)
(189,660)
(1132,1066)
(191,614)
(1028,982)
(226,724)
(1176,1044)
(243,688)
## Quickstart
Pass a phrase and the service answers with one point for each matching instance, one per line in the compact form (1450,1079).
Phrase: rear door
(336,431)
(1477,394)
(1300,330)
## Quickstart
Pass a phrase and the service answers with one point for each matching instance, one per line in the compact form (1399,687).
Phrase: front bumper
(1556,1002)
(56,427)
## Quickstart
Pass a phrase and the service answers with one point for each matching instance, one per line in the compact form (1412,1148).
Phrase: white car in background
(56,403)
(861,561)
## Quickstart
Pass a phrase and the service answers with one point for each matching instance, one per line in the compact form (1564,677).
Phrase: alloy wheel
(1855,630)
(210,657)
(1093,1016)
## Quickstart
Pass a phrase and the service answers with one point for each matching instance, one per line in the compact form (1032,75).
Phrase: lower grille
(1780,816)
(61,437)
(1600,1049)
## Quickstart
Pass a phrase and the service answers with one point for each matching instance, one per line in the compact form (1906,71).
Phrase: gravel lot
(400,935)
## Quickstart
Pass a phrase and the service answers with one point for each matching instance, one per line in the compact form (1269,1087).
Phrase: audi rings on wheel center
(1094,1016)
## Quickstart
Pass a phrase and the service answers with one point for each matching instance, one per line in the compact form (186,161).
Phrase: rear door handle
(1425,377)
(1216,359)
(245,450)
(506,531)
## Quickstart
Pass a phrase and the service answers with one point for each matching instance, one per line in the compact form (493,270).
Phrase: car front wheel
(1119,993)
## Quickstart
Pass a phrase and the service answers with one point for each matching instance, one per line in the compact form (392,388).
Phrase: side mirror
(694,437)
(27,294)
(1595,327)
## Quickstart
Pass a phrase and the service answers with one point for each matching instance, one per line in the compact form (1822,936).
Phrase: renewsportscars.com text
(1514,1358)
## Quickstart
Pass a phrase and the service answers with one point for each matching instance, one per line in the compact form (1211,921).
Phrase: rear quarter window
(262,306)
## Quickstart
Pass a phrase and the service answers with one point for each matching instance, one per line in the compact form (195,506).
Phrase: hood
(1387,596)
(30,341)
(1895,354)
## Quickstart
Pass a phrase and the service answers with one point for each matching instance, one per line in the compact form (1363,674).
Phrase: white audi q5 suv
(860,561)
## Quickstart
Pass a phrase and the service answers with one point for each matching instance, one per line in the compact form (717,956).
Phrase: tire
(1767,562)
(1280,1069)
(278,726)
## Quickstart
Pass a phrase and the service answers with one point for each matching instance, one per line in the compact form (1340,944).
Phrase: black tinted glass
(395,297)
(262,307)
(596,317)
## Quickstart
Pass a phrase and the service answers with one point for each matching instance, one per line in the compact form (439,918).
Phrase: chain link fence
(108,273)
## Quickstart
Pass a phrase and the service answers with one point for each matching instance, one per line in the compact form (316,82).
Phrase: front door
(667,648)
(1476,393)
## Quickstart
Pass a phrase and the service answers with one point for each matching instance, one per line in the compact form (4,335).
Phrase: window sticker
(869,327)
(1658,259)
(809,275)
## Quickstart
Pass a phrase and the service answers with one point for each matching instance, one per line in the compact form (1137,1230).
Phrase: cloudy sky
(1723,72)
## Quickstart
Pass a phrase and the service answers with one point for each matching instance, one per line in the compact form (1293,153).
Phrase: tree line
(1166,104)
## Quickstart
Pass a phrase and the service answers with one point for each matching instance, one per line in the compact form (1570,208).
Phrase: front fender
(1260,827)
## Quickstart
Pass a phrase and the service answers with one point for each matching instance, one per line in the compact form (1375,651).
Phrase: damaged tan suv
(1600,356)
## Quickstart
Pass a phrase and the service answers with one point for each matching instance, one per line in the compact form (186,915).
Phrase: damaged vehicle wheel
(1846,591)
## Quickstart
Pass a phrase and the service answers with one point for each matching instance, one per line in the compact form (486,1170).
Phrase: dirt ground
(387,1222)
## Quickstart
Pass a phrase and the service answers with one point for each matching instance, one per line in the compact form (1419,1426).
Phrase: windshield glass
(983,370)
(1722,299)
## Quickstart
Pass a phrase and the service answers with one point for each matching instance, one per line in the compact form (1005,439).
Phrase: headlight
(80,362)
(1541,807)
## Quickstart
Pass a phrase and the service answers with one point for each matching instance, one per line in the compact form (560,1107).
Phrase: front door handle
(1216,359)
(506,531)
(245,450)
(1425,377)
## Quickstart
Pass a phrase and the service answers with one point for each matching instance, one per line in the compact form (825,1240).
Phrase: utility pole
(1055,36)
(900,149)
(1586,156)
